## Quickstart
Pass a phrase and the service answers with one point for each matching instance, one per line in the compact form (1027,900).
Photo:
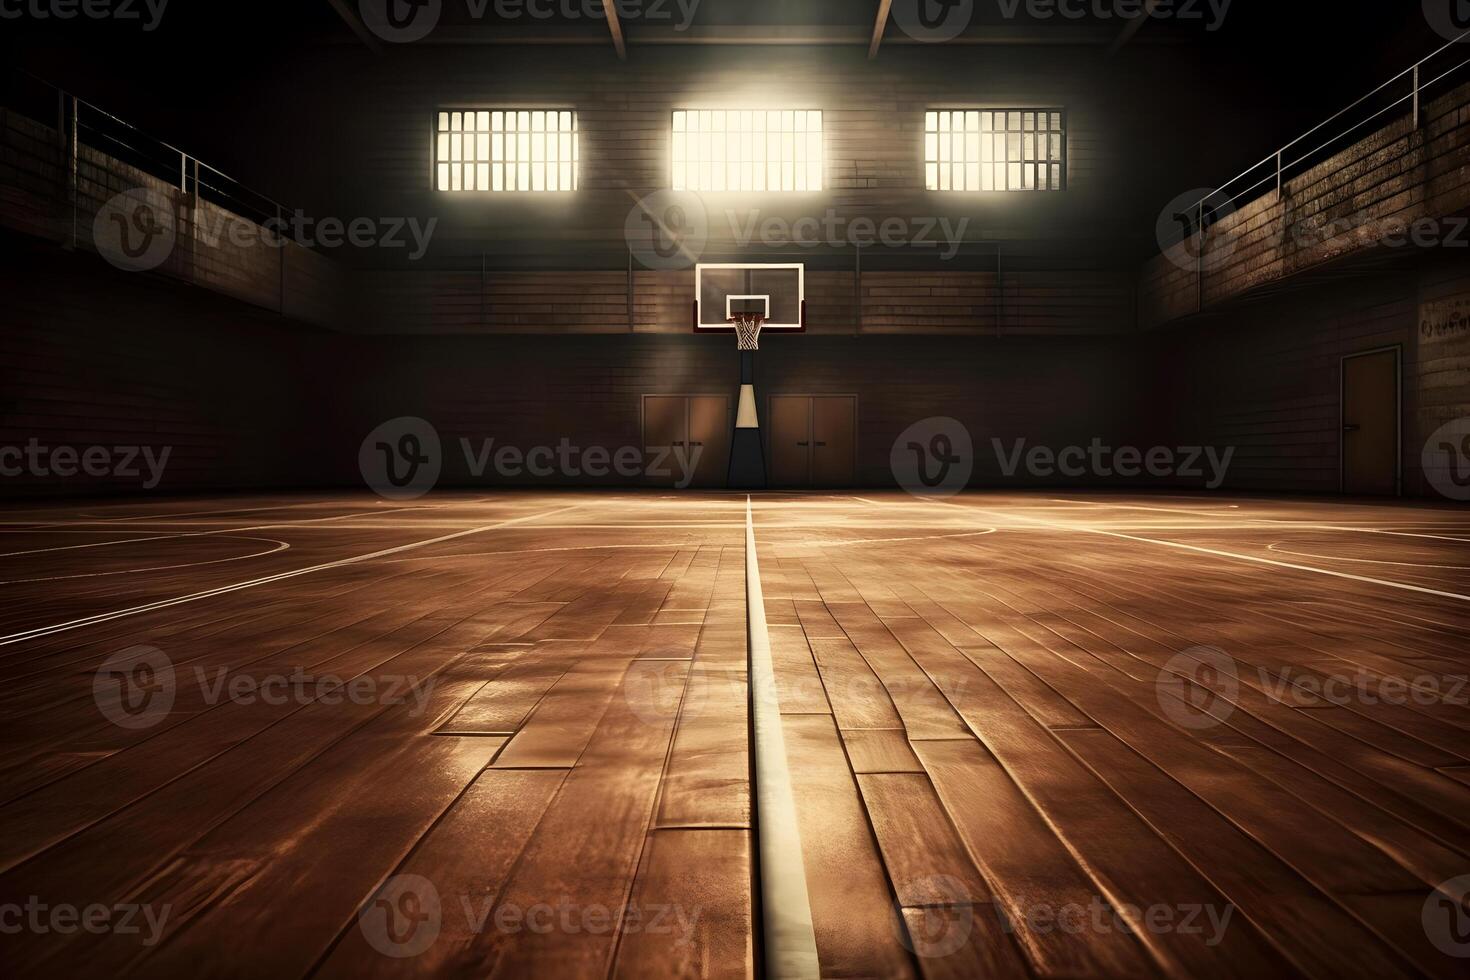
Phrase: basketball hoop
(748,330)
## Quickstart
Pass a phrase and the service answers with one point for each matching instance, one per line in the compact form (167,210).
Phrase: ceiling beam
(349,16)
(879,28)
(616,26)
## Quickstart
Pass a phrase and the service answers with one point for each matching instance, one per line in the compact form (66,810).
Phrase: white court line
(1221,554)
(300,525)
(786,910)
(1280,550)
(81,519)
(282,576)
(1276,521)
(279,547)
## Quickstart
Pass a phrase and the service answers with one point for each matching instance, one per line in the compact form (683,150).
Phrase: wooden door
(834,440)
(1370,423)
(709,437)
(665,430)
(790,432)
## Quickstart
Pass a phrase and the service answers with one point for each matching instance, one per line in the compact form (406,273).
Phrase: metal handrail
(189,166)
(1279,156)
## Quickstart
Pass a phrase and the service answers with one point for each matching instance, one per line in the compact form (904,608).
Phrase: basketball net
(748,330)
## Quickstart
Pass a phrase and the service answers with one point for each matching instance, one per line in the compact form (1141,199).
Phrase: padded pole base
(747,461)
(747,453)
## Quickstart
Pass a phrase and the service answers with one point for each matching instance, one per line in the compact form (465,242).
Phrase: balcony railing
(1404,93)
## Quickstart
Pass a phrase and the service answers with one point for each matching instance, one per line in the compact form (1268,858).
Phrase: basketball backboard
(723,290)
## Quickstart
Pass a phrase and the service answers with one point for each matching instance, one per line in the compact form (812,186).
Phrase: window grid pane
(507,150)
(993,150)
(748,150)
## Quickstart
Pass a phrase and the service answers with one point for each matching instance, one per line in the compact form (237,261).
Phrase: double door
(813,440)
(686,440)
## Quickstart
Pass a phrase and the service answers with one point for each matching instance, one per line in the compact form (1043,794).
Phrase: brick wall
(94,357)
(1264,377)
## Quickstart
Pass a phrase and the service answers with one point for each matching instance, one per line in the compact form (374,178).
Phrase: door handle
(1351,428)
(803,444)
(821,444)
(694,445)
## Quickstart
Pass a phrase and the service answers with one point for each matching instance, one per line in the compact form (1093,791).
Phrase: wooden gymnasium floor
(983,756)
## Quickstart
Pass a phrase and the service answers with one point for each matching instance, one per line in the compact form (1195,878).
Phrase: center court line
(786,909)
(1221,554)
(282,576)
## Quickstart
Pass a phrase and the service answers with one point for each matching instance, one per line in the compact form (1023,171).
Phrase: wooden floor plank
(692,904)
(1027,866)
(852,907)
(464,859)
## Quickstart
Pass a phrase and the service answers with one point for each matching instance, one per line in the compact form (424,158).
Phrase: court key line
(41,631)
(786,910)
(280,546)
(1222,554)
(1273,521)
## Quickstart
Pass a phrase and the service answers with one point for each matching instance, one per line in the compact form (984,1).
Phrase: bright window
(994,150)
(748,150)
(506,150)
